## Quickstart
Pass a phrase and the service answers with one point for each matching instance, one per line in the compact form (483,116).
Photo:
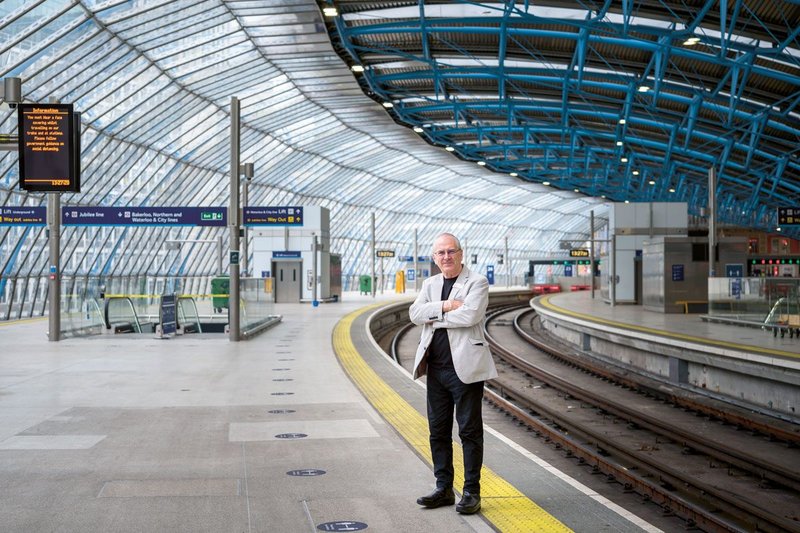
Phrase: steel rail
(669,501)
(732,414)
(767,470)
(705,492)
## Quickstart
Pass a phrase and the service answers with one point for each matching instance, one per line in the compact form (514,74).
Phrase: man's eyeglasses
(442,253)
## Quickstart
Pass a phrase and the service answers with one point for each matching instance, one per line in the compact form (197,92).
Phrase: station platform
(307,427)
(678,329)
(746,367)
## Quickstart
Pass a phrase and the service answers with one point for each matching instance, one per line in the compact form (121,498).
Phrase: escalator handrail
(133,308)
(778,302)
(196,312)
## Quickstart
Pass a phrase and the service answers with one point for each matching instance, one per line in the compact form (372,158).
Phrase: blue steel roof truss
(614,103)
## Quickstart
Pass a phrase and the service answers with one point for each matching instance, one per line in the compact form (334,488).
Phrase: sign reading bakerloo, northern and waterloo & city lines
(49,148)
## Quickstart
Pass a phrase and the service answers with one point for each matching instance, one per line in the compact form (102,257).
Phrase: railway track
(713,465)
(713,475)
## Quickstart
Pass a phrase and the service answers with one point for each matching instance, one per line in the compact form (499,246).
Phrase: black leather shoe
(437,498)
(469,504)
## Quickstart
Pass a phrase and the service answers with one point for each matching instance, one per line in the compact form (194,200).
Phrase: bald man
(453,352)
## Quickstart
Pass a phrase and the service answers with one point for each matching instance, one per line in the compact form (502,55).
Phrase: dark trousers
(445,392)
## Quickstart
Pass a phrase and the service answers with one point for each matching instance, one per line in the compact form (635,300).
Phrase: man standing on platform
(451,308)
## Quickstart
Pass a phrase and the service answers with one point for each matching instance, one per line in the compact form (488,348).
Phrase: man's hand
(451,305)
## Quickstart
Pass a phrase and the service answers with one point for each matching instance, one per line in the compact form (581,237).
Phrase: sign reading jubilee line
(48,148)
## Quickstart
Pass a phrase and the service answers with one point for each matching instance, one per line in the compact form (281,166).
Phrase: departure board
(49,148)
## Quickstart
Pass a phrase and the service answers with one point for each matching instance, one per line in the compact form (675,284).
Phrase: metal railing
(755,301)
(92,305)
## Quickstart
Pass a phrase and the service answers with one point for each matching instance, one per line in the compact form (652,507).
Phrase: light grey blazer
(471,357)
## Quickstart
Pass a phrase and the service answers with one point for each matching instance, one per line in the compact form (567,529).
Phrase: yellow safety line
(545,301)
(159,295)
(22,321)
(506,508)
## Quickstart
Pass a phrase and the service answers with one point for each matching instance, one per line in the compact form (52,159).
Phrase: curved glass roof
(154,80)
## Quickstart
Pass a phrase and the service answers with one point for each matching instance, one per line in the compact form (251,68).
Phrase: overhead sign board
(23,216)
(143,216)
(49,148)
(788,216)
(384,253)
(289,254)
(272,216)
(579,252)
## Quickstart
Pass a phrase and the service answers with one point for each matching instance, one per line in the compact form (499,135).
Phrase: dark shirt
(439,355)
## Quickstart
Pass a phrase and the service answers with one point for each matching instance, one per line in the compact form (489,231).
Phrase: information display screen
(48,148)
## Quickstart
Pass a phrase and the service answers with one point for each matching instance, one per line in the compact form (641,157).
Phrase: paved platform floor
(195,433)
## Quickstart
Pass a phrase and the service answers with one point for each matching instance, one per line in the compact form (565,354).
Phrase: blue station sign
(23,216)
(287,254)
(272,216)
(144,216)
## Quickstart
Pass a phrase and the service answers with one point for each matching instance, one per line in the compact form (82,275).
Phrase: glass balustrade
(93,305)
(757,301)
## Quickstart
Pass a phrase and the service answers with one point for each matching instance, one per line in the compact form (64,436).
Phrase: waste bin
(220,288)
(365,285)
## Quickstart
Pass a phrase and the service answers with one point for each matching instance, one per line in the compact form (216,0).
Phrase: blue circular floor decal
(343,525)
(291,436)
(305,472)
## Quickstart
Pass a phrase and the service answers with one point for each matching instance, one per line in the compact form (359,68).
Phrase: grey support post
(220,255)
(314,248)
(591,250)
(372,281)
(233,226)
(248,172)
(712,222)
(508,265)
(54,230)
(416,261)
(54,283)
